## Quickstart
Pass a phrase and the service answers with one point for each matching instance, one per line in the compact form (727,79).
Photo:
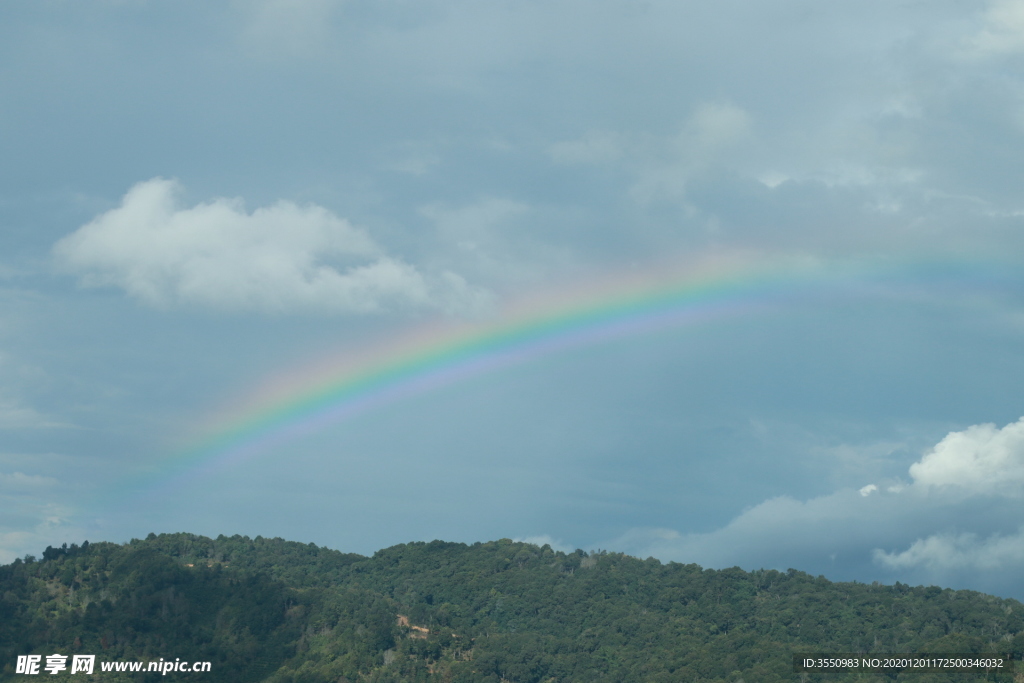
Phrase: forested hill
(276,611)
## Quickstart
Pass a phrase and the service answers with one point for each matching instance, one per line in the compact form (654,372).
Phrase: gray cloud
(36,525)
(276,28)
(1002,32)
(20,480)
(18,381)
(967,551)
(14,414)
(962,482)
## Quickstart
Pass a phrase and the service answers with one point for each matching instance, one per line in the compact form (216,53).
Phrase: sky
(209,209)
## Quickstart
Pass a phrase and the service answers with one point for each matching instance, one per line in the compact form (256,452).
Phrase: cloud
(715,125)
(415,164)
(14,543)
(923,532)
(783,532)
(278,258)
(663,162)
(980,459)
(476,227)
(19,481)
(15,415)
(545,539)
(499,240)
(39,524)
(284,27)
(947,551)
(1003,32)
(35,509)
(662,166)
(21,387)
(596,146)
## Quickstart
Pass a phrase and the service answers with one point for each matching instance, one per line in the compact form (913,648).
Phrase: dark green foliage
(270,610)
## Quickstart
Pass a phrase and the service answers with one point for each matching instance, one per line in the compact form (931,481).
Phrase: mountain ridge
(285,612)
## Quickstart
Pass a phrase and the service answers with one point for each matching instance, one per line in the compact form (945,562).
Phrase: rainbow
(330,391)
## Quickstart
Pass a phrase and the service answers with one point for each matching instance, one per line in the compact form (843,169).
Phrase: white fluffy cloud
(277,258)
(980,459)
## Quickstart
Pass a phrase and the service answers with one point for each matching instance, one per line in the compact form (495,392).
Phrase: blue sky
(196,197)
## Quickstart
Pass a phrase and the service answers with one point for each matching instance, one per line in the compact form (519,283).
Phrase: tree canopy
(283,612)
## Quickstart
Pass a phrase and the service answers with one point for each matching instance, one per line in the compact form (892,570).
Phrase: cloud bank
(957,523)
(946,551)
(279,258)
